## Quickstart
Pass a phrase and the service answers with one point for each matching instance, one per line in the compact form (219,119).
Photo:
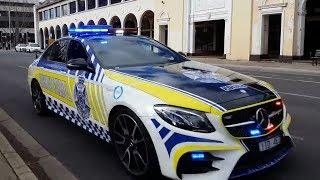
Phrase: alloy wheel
(37,98)
(130,144)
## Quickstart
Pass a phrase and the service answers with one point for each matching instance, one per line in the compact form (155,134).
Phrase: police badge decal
(81,99)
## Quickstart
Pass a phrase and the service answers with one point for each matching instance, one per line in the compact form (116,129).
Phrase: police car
(162,112)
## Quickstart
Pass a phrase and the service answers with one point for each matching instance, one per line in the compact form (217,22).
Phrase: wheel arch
(116,109)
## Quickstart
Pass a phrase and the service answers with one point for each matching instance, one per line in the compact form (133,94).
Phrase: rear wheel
(38,99)
(134,145)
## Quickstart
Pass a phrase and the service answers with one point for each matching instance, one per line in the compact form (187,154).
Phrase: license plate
(269,144)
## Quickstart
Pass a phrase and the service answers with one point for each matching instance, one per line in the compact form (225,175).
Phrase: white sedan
(21,47)
(33,47)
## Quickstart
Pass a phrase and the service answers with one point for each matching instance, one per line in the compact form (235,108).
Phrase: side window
(57,51)
(76,50)
(47,53)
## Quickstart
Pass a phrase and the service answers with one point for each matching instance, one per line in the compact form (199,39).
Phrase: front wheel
(38,99)
(133,145)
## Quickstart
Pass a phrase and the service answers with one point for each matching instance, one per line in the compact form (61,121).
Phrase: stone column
(300,33)
(97,3)
(36,24)
(77,6)
(191,37)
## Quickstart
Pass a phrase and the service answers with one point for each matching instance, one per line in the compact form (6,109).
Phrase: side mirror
(183,54)
(80,64)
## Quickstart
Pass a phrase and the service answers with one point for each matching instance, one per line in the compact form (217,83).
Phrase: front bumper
(229,158)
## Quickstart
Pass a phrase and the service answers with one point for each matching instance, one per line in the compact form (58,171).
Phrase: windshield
(22,45)
(127,51)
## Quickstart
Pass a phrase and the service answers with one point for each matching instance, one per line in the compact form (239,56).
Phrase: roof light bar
(91,30)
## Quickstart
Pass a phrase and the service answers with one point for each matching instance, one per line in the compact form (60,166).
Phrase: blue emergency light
(255,132)
(93,30)
(196,156)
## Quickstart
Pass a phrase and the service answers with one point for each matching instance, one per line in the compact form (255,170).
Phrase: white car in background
(33,47)
(21,47)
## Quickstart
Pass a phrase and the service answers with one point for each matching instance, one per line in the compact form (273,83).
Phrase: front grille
(240,123)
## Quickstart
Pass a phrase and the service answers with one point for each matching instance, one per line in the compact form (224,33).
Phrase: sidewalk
(302,67)
(23,158)
(12,167)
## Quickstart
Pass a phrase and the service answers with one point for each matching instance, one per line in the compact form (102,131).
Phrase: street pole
(9,12)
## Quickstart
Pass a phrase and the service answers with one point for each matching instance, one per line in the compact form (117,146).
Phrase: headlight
(187,119)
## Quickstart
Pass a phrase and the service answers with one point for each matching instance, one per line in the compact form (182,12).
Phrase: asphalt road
(89,158)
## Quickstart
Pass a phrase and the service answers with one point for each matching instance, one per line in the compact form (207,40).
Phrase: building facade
(54,19)
(285,29)
(235,29)
(16,21)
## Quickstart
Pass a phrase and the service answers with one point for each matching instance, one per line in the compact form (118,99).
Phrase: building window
(40,16)
(46,15)
(115,1)
(72,7)
(91,4)
(65,10)
(58,14)
(81,5)
(4,24)
(52,15)
(103,3)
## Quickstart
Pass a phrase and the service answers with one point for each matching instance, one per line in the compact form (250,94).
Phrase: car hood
(212,84)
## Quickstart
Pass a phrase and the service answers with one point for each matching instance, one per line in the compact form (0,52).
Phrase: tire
(38,99)
(132,140)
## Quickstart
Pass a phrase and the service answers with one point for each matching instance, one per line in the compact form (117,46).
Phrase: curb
(19,167)
(36,158)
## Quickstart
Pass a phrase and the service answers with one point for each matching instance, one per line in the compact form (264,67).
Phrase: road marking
(270,69)
(269,74)
(285,79)
(22,67)
(300,95)
(297,138)
(277,73)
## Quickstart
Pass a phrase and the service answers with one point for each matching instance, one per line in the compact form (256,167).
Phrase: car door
(53,77)
(87,94)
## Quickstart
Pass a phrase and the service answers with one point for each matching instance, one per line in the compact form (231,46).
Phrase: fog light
(197,156)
